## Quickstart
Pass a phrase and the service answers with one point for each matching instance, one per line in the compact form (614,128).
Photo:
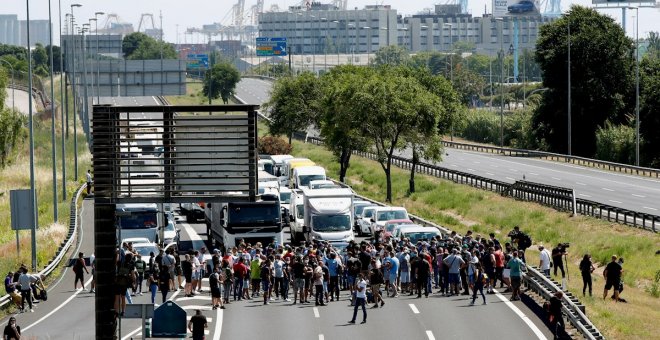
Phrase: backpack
(265,272)
(77,267)
(524,241)
(213,280)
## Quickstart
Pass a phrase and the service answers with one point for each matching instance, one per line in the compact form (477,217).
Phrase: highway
(68,314)
(620,190)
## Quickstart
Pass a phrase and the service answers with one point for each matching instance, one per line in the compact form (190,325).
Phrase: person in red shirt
(240,272)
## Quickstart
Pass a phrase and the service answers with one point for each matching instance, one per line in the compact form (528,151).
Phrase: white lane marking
(59,307)
(316,313)
(522,315)
(584,195)
(556,178)
(218,325)
(490,174)
(470,169)
(606,189)
(514,170)
(414,308)
(321,337)
(649,208)
(188,317)
(509,178)
(475,162)
(640,196)
(454,165)
(134,332)
(614,201)
(579,183)
(206,298)
(533,174)
(197,242)
(429,335)
(494,166)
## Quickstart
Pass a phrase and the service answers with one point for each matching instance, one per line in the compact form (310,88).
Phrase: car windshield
(138,220)
(391,215)
(368,213)
(300,211)
(390,227)
(326,223)
(304,180)
(360,208)
(420,235)
(145,250)
(169,227)
(285,197)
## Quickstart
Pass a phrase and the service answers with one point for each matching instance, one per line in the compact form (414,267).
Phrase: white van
(305,174)
(364,223)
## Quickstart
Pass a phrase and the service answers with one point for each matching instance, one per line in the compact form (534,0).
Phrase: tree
(390,106)
(616,143)
(56,58)
(649,110)
(220,81)
(654,44)
(41,61)
(341,126)
(601,69)
(131,42)
(139,46)
(293,104)
(391,55)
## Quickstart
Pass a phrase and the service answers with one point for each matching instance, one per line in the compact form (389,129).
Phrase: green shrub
(615,143)
(271,145)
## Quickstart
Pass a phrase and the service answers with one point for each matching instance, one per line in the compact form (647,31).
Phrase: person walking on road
(12,331)
(360,298)
(78,269)
(90,181)
(214,284)
(197,325)
(516,265)
(480,278)
(164,280)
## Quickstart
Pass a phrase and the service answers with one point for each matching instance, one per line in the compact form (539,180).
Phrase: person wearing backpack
(480,280)
(78,269)
(140,267)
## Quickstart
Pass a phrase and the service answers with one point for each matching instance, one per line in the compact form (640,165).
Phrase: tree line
(383,109)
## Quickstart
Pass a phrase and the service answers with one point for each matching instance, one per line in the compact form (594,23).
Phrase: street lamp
(98,66)
(636,85)
(337,39)
(570,117)
(91,66)
(63,104)
(73,87)
(313,41)
(52,113)
(35,215)
(354,42)
(501,20)
(85,117)
(325,45)
(368,42)
(13,88)
(451,69)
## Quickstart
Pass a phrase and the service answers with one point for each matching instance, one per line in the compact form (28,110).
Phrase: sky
(195,13)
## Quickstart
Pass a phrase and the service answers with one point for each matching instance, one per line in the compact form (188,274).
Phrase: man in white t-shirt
(360,298)
(544,260)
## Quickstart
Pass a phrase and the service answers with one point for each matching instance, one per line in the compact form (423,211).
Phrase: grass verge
(16,175)
(463,208)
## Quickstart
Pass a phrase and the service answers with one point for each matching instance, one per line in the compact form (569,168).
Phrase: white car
(384,214)
(170,233)
(364,223)
(145,250)
(135,240)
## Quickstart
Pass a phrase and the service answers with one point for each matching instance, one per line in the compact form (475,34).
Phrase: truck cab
(288,166)
(305,174)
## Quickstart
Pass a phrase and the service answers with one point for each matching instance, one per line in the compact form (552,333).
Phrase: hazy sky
(194,13)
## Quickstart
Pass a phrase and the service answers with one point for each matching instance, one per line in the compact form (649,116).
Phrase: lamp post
(35,215)
(354,42)
(85,116)
(313,42)
(337,39)
(52,114)
(325,45)
(91,66)
(73,87)
(13,88)
(570,118)
(451,69)
(636,84)
(501,20)
(98,65)
(63,104)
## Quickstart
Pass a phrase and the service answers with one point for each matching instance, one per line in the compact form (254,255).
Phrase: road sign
(22,215)
(268,47)
(197,61)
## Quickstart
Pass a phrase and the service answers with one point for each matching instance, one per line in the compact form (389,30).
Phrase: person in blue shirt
(394,275)
(517,266)
(333,268)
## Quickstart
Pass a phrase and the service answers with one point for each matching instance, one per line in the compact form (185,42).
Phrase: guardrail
(66,244)
(533,280)
(562,199)
(611,166)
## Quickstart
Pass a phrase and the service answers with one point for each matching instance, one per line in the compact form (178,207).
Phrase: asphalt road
(22,101)
(68,314)
(615,189)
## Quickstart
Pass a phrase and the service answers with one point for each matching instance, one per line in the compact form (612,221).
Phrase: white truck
(305,174)
(297,215)
(328,214)
(139,220)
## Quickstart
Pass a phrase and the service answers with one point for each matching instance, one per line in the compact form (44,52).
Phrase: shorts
(515,282)
(308,283)
(454,278)
(265,284)
(188,278)
(375,287)
(471,279)
(215,292)
(393,278)
(405,277)
(609,284)
(325,286)
(195,275)
(246,283)
(299,284)
(351,280)
(178,270)
(80,276)
(120,289)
